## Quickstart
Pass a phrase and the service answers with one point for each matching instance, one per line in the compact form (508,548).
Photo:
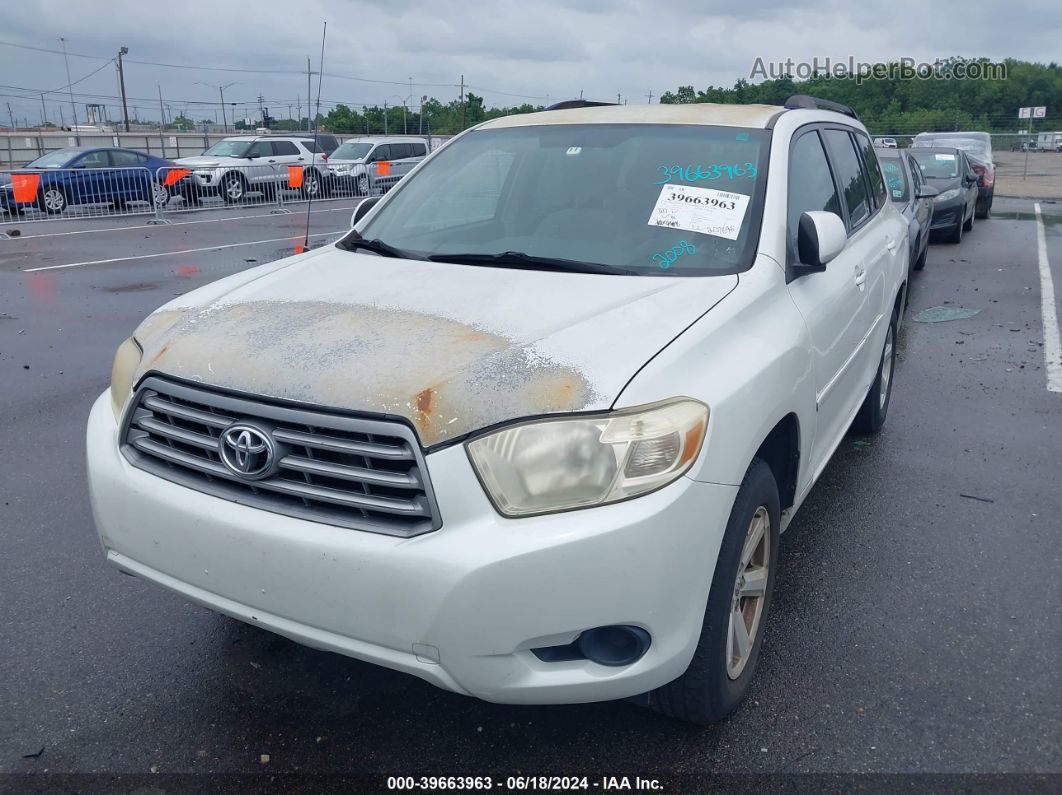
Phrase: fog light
(614,646)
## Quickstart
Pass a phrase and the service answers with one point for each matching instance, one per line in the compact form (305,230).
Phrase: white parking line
(1052,343)
(177,253)
(176,223)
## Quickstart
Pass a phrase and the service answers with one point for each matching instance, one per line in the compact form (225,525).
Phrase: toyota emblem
(247,451)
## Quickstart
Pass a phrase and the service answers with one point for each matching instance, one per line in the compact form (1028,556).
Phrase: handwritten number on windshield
(712,171)
(665,259)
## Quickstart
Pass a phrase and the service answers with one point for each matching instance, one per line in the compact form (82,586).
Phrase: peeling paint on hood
(451,348)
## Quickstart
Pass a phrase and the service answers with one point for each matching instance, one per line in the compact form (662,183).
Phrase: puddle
(941,314)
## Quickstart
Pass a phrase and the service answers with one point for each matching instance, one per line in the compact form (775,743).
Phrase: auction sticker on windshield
(704,210)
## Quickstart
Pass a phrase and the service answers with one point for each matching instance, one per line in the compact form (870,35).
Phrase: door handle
(860,275)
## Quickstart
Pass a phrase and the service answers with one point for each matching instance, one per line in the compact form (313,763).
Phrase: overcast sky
(538,49)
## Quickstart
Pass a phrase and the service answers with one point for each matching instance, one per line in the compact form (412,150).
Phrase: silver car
(371,166)
(237,166)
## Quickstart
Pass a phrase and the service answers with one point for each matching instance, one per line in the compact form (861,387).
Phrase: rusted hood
(452,348)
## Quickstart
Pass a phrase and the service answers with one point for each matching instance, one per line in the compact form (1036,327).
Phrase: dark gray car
(949,171)
(912,197)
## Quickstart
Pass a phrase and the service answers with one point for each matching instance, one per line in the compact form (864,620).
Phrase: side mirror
(363,209)
(927,192)
(253,156)
(821,236)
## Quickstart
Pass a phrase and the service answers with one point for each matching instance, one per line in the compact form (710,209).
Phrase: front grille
(355,472)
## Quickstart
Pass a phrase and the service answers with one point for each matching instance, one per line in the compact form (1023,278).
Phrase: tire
(955,235)
(312,184)
(875,408)
(157,195)
(968,226)
(52,199)
(232,188)
(920,263)
(715,683)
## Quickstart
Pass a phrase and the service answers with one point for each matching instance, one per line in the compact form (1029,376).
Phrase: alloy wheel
(750,593)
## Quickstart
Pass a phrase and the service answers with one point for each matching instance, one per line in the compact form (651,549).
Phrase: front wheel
(233,188)
(52,200)
(724,662)
(920,263)
(875,407)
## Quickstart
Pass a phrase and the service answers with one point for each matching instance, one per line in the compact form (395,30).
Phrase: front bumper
(947,214)
(460,607)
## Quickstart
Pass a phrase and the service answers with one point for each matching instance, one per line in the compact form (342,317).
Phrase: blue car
(89,175)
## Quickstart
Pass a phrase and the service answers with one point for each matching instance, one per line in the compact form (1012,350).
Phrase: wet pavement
(916,625)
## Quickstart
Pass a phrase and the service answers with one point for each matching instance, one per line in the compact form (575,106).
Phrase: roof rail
(814,103)
(577,103)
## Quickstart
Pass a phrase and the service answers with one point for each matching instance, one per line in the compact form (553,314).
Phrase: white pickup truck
(531,430)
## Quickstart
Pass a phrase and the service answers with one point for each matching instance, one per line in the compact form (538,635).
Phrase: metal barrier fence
(80,193)
(19,148)
(49,194)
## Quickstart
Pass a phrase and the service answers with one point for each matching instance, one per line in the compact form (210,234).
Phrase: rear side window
(870,160)
(285,148)
(399,151)
(916,176)
(811,185)
(120,157)
(849,176)
(419,150)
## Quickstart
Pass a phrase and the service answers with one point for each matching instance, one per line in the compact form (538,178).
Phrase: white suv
(371,166)
(237,166)
(531,430)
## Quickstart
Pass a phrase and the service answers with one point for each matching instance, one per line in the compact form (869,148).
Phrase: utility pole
(121,83)
(70,88)
(62,120)
(162,116)
(385,117)
(423,98)
(309,96)
(261,113)
(12,116)
(650,97)
(618,100)
(44,112)
(462,102)
(298,112)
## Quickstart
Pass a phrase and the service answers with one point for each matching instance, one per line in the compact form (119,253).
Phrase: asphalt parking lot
(916,623)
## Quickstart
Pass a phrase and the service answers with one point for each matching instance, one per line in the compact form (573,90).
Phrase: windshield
(654,199)
(229,149)
(895,178)
(56,159)
(351,151)
(937,165)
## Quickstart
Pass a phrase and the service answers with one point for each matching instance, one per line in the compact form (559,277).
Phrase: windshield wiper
(376,246)
(517,259)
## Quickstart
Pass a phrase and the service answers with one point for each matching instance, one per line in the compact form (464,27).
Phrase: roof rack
(577,103)
(814,103)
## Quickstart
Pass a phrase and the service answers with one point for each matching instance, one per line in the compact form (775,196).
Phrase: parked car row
(231,170)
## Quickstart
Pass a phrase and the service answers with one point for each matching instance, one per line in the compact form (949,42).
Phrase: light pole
(70,88)
(221,90)
(121,82)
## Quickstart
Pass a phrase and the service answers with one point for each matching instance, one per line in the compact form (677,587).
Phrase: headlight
(126,360)
(947,195)
(559,464)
